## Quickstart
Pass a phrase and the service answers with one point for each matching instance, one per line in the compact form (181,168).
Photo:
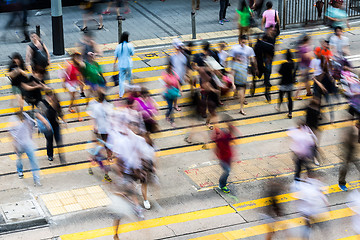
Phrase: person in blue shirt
(123,53)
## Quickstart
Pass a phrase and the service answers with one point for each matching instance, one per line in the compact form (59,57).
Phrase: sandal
(71,110)
(242,112)
(298,98)
(100,27)
(186,139)
(246,102)
(84,29)
(177,109)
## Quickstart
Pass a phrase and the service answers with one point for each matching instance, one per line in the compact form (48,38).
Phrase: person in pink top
(270,17)
(148,108)
(172,91)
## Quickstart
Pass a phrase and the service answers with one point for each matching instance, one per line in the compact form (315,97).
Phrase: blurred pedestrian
(337,16)
(354,205)
(306,55)
(123,53)
(324,83)
(50,108)
(247,54)
(88,46)
(256,6)
(348,154)
(21,130)
(274,211)
(180,64)
(302,145)
(73,80)
(324,50)
(339,44)
(37,54)
(239,73)
(311,202)
(270,17)
(99,110)
(223,54)
(222,13)
(32,86)
(244,14)
(148,107)
(223,149)
(287,72)
(98,156)
(17,76)
(92,7)
(172,91)
(93,74)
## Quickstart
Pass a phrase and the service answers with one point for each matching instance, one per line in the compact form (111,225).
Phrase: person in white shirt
(339,44)
(123,53)
(223,54)
(180,64)
(100,111)
(21,130)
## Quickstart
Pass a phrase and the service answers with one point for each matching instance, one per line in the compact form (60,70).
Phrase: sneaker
(107,178)
(225,189)
(147,204)
(316,162)
(82,95)
(50,159)
(139,212)
(91,171)
(37,183)
(225,20)
(343,187)
(21,175)
(221,22)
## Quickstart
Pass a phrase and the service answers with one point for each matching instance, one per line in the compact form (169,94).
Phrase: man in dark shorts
(92,7)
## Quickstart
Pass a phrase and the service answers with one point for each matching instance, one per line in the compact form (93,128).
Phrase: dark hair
(289,56)
(305,39)
(189,44)
(243,5)
(73,56)
(244,37)
(101,96)
(269,5)
(124,37)
(130,101)
(206,46)
(169,66)
(18,56)
(338,27)
(144,91)
(38,69)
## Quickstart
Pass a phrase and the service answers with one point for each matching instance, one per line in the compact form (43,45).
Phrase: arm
(277,18)
(263,22)
(116,59)
(47,52)
(29,53)
(43,120)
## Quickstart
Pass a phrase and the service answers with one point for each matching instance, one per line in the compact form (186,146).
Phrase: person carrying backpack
(37,54)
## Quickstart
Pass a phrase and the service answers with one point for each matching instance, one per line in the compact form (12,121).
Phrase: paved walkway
(149,19)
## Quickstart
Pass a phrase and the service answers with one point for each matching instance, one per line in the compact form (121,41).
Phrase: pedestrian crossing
(224,210)
(84,129)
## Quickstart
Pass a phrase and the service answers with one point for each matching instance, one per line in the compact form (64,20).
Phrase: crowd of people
(122,134)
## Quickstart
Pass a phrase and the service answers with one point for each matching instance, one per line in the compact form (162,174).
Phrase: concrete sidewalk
(149,19)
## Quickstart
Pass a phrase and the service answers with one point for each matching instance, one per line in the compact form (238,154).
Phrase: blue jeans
(225,175)
(124,74)
(168,114)
(29,151)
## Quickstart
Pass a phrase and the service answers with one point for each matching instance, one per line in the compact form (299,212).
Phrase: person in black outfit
(17,76)
(287,71)
(51,109)
(31,87)
(222,13)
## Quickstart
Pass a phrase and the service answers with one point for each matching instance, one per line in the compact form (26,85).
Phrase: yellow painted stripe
(280,226)
(165,152)
(356,237)
(181,218)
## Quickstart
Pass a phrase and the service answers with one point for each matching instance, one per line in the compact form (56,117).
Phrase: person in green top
(92,73)
(244,14)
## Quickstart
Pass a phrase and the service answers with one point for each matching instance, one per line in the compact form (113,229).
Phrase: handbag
(277,26)
(115,79)
(172,93)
